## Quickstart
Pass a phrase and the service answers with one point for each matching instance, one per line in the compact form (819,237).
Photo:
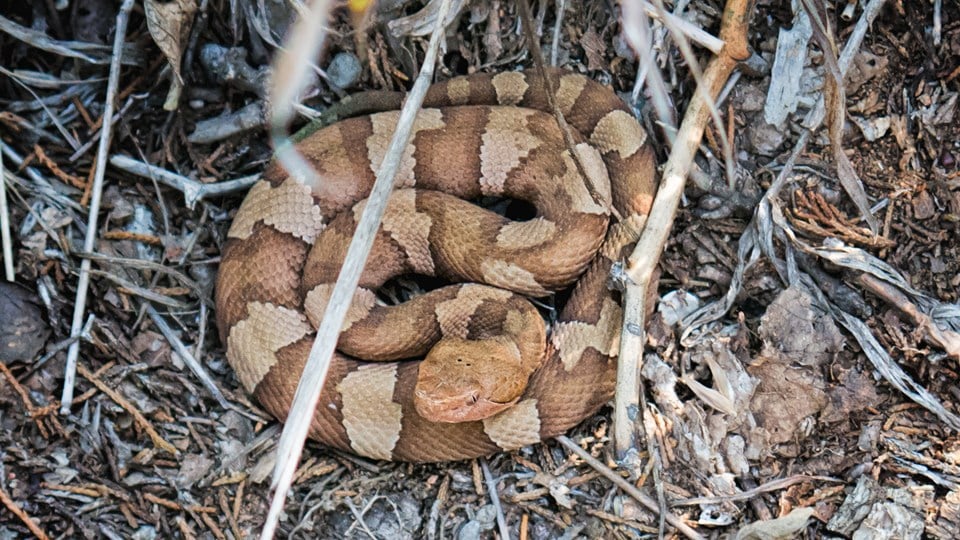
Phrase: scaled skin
(464,380)
(369,409)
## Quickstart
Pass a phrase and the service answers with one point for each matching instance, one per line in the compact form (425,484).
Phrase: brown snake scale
(477,136)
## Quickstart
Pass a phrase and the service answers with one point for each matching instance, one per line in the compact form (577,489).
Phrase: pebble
(344,70)
(24,329)
(469,531)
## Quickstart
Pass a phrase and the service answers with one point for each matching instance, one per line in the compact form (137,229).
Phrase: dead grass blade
(5,240)
(92,53)
(318,363)
(643,261)
(83,283)
(836,108)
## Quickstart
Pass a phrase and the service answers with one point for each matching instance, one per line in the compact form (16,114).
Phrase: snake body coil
(482,135)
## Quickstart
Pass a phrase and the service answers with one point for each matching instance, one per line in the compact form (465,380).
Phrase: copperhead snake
(477,136)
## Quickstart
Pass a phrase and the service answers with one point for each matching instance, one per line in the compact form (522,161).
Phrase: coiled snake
(477,136)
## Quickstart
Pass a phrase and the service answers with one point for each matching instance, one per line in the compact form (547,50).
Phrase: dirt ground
(779,408)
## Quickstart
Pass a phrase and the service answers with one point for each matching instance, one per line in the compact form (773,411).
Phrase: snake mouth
(454,409)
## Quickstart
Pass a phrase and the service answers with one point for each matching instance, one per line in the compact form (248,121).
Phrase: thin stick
(773,485)
(643,260)
(138,416)
(693,32)
(15,509)
(193,191)
(318,363)
(628,488)
(83,284)
(561,6)
(195,366)
(495,499)
(5,224)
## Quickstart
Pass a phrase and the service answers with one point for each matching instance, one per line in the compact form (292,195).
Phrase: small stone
(749,98)
(947,159)
(344,70)
(23,328)
(764,138)
(923,206)
(145,532)
(677,304)
(487,517)
(469,531)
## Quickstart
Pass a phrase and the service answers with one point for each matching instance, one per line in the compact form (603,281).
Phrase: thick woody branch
(643,260)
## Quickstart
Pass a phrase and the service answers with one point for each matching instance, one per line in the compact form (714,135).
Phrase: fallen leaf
(169,25)
(788,526)
(595,50)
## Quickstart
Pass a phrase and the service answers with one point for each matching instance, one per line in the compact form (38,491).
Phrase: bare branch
(628,488)
(5,224)
(79,306)
(318,363)
(193,191)
(643,260)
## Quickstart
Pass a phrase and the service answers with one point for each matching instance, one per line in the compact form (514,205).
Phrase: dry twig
(495,499)
(21,515)
(79,306)
(315,372)
(138,417)
(5,240)
(37,413)
(773,485)
(628,488)
(643,260)
(684,27)
(193,191)
(195,366)
(944,338)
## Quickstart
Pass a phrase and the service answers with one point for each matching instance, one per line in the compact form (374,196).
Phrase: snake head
(464,380)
